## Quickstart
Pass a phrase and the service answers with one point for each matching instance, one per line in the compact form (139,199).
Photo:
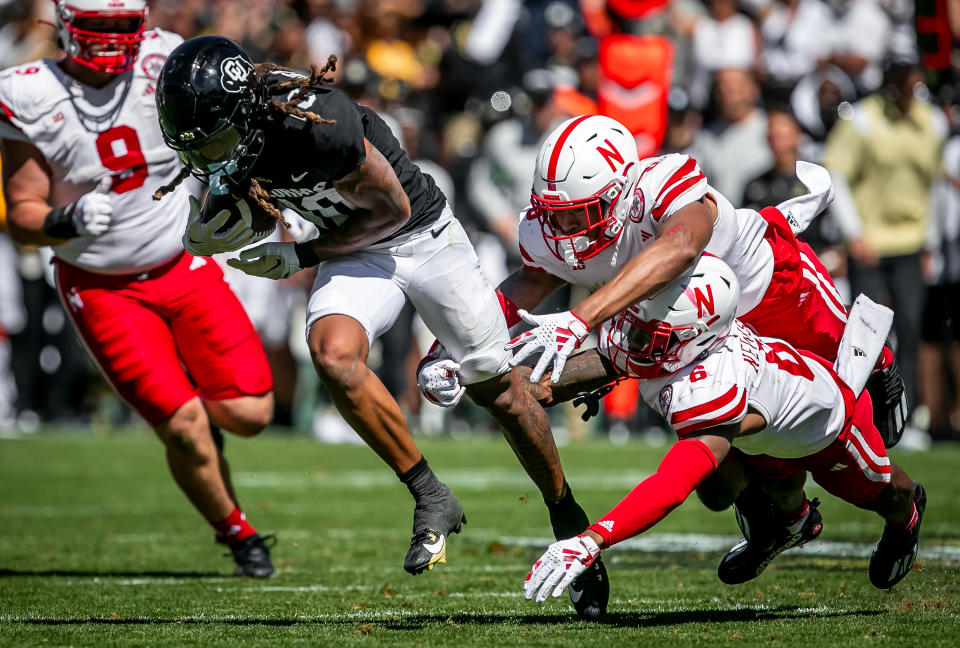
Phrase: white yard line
(695,542)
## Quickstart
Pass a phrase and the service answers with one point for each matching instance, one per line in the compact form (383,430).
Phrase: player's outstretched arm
(685,465)
(374,187)
(680,241)
(583,372)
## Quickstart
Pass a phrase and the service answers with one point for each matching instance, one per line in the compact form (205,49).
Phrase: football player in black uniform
(386,235)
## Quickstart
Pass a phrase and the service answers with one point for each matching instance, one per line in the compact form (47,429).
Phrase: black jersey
(301,159)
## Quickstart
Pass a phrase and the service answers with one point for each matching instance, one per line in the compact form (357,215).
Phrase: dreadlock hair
(254,190)
(304,84)
(170,186)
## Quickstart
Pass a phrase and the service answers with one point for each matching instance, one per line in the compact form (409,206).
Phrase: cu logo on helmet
(234,72)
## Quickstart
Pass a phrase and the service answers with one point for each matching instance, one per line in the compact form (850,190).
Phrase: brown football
(240,208)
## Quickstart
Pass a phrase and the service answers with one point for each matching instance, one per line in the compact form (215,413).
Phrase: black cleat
(761,544)
(252,555)
(433,521)
(590,592)
(897,550)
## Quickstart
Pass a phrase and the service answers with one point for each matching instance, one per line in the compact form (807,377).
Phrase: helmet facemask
(102,39)
(650,348)
(602,227)
(222,158)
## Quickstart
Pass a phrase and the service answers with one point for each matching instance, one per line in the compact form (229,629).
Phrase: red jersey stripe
(678,175)
(717,403)
(678,189)
(732,415)
(7,114)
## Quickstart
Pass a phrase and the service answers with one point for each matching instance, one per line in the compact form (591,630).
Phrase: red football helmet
(661,335)
(111,49)
(587,163)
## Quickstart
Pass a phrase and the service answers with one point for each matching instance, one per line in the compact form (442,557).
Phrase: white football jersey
(802,401)
(666,184)
(89,133)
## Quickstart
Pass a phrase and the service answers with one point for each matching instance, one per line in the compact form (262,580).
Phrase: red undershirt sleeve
(687,464)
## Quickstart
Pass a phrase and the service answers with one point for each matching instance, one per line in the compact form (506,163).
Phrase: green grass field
(98,548)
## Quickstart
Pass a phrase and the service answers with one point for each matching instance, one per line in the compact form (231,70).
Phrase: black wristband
(306,257)
(59,223)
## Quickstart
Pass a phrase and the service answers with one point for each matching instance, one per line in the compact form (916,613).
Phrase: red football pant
(164,336)
(801,304)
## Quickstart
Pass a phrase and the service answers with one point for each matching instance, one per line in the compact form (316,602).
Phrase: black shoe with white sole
(434,519)
(897,550)
(748,558)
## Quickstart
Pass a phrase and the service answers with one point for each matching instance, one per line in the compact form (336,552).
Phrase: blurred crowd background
(869,88)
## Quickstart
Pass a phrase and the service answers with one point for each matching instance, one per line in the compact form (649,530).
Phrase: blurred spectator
(780,182)
(884,155)
(323,35)
(796,34)
(815,103)
(683,125)
(723,38)
(501,176)
(734,145)
(861,57)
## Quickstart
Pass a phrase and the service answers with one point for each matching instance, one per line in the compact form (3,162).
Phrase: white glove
(271,260)
(558,335)
(202,239)
(439,383)
(559,565)
(93,211)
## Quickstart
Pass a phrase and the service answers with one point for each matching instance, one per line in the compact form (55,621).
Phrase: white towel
(801,211)
(868,324)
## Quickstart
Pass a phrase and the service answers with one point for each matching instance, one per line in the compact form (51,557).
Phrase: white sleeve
(676,181)
(712,403)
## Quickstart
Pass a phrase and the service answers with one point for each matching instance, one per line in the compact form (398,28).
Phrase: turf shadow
(419,621)
(680,617)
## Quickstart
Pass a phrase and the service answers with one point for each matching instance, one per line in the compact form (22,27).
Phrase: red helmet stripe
(557,148)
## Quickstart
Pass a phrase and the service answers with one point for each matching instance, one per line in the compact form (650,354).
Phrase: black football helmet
(211,102)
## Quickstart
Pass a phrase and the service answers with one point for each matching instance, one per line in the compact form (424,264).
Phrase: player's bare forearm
(357,232)
(680,241)
(27,186)
(375,189)
(25,222)
(585,371)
